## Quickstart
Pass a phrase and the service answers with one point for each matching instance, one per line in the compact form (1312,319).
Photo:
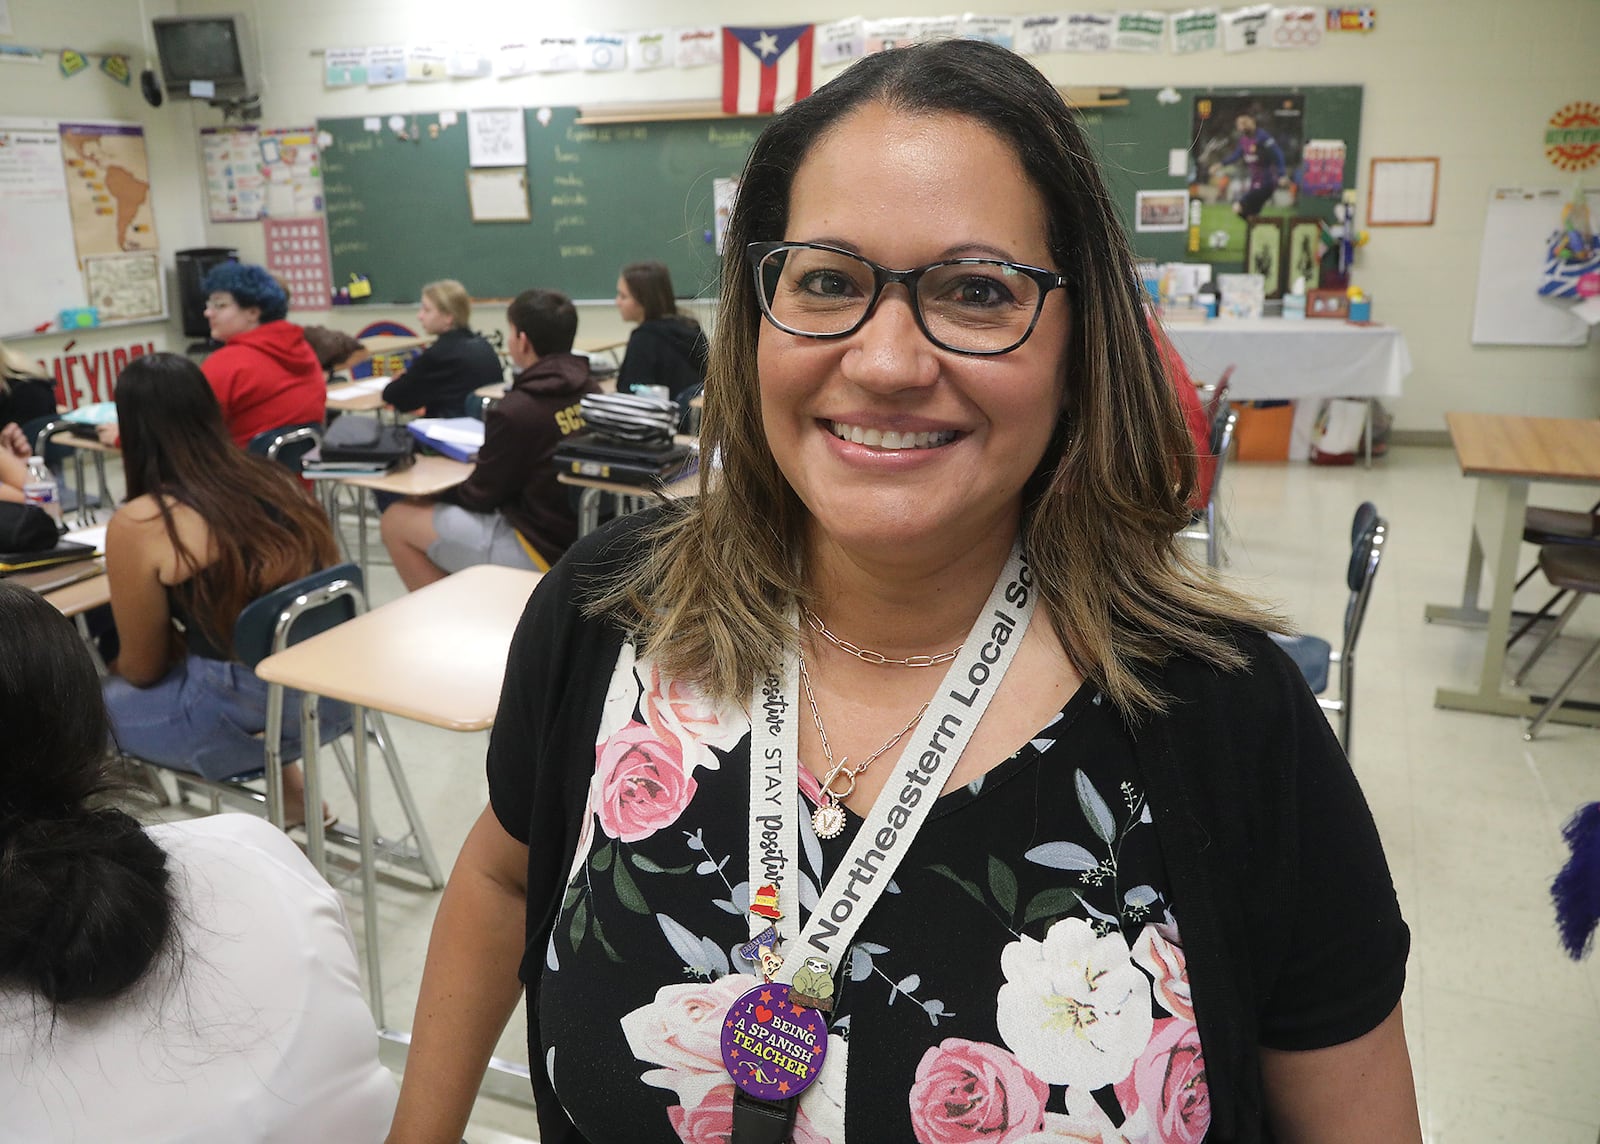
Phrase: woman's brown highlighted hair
(1102,508)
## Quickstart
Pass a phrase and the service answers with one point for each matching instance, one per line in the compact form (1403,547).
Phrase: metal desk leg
(588,511)
(361,530)
(1496,535)
(85,517)
(310,765)
(1372,410)
(369,874)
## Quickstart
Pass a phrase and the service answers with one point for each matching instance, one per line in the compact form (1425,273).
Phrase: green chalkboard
(600,196)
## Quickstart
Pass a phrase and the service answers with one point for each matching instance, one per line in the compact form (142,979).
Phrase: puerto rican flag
(765,69)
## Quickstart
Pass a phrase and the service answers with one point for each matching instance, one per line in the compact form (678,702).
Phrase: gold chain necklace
(876,657)
(828,819)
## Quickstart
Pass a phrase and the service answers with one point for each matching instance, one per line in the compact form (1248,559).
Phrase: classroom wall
(28,90)
(1470,81)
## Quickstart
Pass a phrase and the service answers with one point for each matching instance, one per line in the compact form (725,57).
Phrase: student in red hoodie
(266,375)
(511,510)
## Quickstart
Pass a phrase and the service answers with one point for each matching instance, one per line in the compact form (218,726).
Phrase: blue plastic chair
(287,445)
(1315,656)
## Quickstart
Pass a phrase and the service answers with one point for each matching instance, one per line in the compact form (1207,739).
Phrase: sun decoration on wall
(1572,137)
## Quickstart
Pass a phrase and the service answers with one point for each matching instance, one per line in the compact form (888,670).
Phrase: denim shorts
(206,716)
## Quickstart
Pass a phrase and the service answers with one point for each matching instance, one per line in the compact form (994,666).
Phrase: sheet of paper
(361,388)
(495,138)
(95,536)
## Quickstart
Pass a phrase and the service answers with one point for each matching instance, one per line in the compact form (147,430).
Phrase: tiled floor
(1504,1029)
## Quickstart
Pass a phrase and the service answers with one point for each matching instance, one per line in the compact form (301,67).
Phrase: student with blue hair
(266,375)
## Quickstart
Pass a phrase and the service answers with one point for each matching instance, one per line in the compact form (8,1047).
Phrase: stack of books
(314,468)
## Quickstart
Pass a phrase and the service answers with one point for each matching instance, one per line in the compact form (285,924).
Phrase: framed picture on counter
(1263,253)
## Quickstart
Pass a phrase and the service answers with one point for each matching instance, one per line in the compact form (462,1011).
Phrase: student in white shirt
(194,981)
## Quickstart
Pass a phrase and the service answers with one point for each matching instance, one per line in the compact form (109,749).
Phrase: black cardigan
(439,381)
(1245,782)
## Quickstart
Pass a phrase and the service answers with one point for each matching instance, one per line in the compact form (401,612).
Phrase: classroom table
(425,477)
(436,655)
(1506,454)
(1295,360)
(73,600)
(362,396)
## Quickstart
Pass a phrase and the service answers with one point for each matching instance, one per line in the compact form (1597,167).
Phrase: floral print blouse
(1022,980)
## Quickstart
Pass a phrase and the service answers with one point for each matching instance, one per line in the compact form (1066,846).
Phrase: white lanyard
(897,814)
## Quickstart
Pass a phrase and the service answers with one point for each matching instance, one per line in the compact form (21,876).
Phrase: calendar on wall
(297,252)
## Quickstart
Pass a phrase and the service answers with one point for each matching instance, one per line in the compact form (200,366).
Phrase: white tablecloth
(1278,359)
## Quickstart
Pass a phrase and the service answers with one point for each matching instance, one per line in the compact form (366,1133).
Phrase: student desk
(1506,454)
(438,656)
(589,498)
(362,396)
(427,476)
(59,432)
(75,599)
(394,343)
(1296,359)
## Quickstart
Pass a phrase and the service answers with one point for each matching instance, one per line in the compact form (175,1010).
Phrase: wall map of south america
(108,188)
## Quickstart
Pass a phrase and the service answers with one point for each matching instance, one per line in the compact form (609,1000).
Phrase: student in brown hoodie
(511,511)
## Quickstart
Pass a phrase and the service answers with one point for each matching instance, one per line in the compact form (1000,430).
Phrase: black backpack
(352,438)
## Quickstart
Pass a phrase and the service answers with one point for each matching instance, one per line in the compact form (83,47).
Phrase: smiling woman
(921,700)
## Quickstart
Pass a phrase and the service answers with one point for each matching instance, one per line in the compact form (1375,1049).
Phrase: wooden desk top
(437,655)
(87,444)
(393,343)
(428,476)
(496,390)
(81,596)
(363,399)
(1557,449)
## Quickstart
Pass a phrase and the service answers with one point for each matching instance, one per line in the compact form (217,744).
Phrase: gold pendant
(828,820)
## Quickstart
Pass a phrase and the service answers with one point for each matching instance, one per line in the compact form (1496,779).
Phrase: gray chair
(1207,522)
(1545,526)
(1315,656)
(1569,568)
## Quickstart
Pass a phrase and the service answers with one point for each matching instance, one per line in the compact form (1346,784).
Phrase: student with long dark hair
(667,348)
(205,530)
(194,981)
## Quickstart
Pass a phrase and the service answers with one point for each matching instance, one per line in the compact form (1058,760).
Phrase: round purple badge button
(771,1047)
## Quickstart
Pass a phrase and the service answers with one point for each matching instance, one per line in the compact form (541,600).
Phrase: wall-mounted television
(206,49)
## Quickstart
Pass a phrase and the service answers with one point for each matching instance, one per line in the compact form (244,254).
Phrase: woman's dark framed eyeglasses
(977,306)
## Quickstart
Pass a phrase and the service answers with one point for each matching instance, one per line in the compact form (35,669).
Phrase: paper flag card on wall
(765,69)
(72,62)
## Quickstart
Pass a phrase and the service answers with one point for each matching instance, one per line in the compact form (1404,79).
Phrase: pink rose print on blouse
(677,711)
(711,1121)
(1168,1084)
(967,1091)
(640,782)
(681,1031)
(1158,953)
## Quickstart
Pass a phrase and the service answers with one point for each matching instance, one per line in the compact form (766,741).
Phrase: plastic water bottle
(41,488)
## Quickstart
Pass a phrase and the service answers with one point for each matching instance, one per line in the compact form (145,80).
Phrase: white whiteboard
(1516,233)
(36,243)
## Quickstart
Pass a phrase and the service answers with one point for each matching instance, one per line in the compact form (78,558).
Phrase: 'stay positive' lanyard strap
(931,753)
